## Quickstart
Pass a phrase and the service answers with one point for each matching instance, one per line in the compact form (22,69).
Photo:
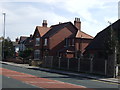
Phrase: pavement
(112,80)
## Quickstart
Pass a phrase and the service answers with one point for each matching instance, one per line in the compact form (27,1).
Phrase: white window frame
(37,41)
(45,42)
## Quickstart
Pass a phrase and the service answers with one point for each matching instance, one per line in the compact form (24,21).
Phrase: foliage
(112,41)
(8,48)
(26,53)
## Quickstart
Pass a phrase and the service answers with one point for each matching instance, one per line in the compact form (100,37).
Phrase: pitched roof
(98,42)
(42,30)
(28,41)
(22,38)
(81,34)
(55,28)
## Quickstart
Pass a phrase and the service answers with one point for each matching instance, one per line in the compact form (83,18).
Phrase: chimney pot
(44,24)
(30,35)
(77,23)
(60,22)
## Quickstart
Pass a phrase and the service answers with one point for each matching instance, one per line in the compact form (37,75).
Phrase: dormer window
(45,42)
(37,41)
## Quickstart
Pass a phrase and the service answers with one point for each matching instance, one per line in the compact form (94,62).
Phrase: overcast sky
(22,16)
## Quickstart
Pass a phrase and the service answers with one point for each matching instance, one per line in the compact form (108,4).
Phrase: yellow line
(106,82)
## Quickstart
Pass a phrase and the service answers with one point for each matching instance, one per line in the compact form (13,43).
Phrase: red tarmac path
(37,81)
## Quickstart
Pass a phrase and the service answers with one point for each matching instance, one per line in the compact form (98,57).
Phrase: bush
(26,54)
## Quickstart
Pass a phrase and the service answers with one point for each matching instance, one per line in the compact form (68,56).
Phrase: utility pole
(3,42)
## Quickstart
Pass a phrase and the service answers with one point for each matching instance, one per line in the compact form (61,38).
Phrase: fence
(88,65)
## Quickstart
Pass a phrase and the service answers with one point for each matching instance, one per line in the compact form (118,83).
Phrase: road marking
(106,82)
(71,83)
(43,82)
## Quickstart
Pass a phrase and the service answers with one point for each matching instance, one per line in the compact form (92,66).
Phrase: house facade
(104,40)
(105,47)
(28,42)
(75,46)
(37,40)
(56,37)
(21,43)
(63,39)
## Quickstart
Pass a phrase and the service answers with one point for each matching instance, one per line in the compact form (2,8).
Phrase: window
(45,42)
(37,41)
(73,41)
(37,54)
(66,42)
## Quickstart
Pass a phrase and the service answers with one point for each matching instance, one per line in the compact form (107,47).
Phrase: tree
(8,48)
(26,53)
(112,41)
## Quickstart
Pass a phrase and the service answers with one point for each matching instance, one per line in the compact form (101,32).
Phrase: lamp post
(3,42)
(4,15)
(115,49)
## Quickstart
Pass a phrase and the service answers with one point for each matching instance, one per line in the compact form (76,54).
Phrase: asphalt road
(89,83)
(12,83)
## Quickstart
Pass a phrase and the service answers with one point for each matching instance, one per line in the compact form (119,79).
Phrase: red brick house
(75,46)
(59,39)
(37,39)
(54,39)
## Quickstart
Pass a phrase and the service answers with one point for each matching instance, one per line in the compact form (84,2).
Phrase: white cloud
(22,20)
(119,10)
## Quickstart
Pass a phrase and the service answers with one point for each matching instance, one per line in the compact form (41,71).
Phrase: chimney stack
(30,35)
(44,24)
(77,23)
(17,40)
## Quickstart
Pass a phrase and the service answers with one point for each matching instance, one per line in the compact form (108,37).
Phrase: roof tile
(43,30)
(81,34)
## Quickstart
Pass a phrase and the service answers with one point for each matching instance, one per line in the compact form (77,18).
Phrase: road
(18,77)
